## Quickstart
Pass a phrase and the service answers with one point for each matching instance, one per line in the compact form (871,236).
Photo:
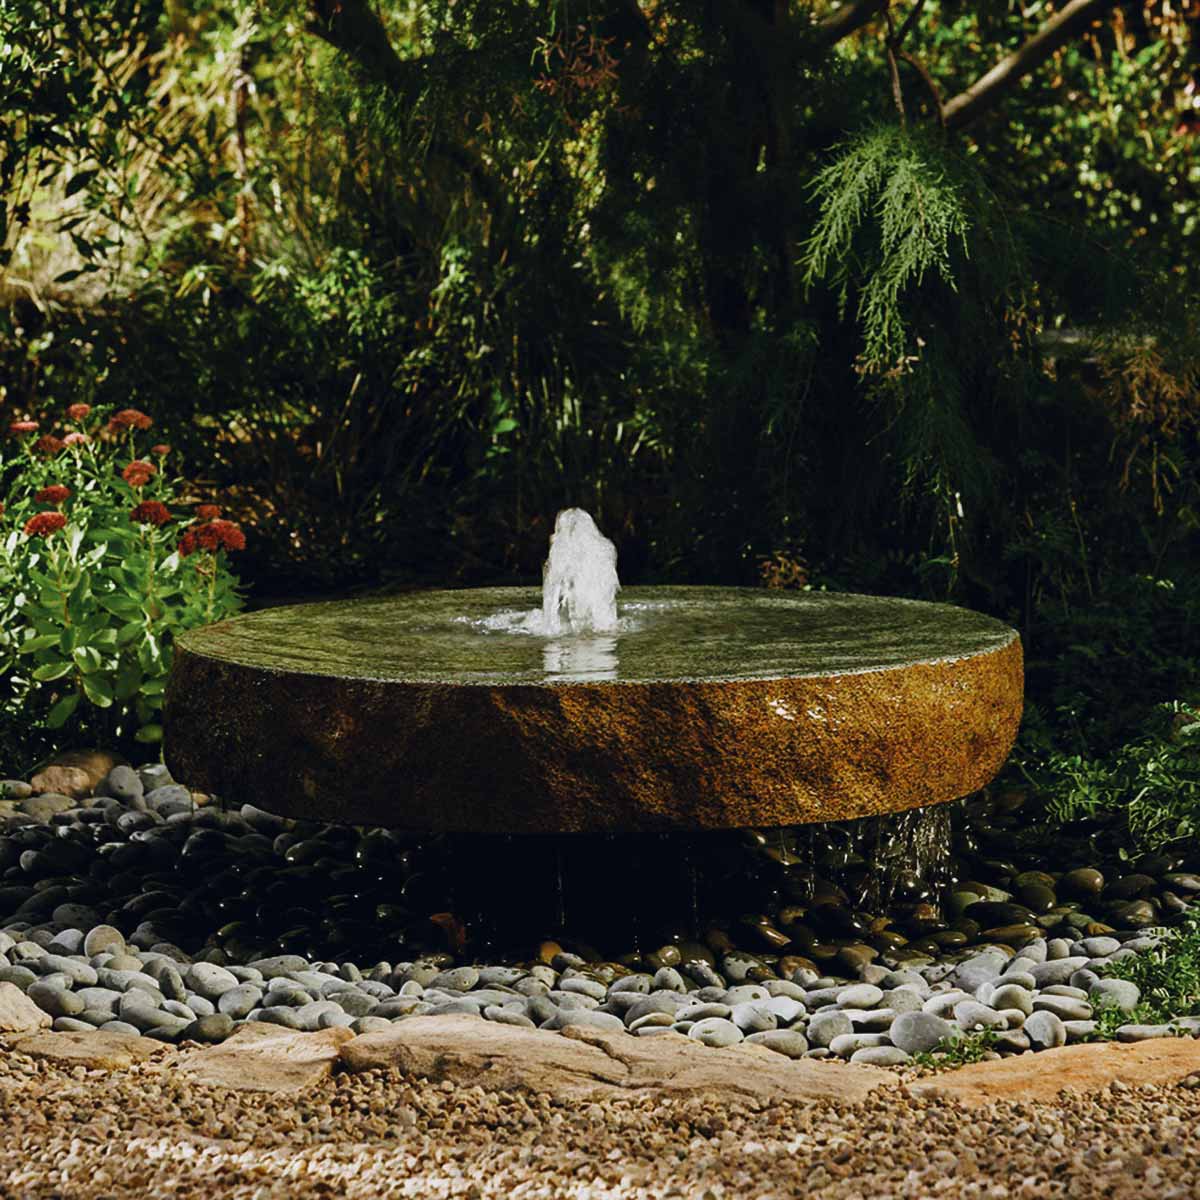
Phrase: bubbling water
(579,595)
(579,580)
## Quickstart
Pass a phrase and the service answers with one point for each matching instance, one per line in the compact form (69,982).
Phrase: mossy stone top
(707,708)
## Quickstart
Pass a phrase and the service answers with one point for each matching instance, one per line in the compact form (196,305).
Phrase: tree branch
(927,79)
(989,89)
(354,28)
(893,67)
(852,15)
(909,21)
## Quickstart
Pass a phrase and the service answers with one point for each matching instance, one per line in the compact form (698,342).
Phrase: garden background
(785,294)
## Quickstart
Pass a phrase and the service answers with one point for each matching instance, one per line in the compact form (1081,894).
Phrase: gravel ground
(147,1132)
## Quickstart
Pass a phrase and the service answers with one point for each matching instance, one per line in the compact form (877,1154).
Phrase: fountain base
(759,709)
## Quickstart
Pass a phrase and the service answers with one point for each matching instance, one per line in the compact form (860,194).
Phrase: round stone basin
(708,708)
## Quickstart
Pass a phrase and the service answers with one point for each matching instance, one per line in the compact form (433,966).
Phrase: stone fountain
(500,710)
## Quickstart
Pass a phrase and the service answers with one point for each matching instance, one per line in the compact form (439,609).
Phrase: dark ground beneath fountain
(234,884)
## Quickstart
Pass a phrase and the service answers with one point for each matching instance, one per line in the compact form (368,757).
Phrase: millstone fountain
(497,711)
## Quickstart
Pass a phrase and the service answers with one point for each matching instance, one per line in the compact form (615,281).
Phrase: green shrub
(1152,779)
(100,566)
(1168,975)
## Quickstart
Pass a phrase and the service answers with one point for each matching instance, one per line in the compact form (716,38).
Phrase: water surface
(665,634)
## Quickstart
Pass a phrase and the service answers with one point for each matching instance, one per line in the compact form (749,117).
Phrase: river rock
(103,938)
(74,773)
(18,1013)
(982,968)
(970,1014)
(1121,993)
(123,783)
(788,1042)
(1057,970)
(1011,996)
(921,1032)
(880,1056)
(753,1018)
(1142,1033)
(1068,1008)
(1045,1031)
(210,980)
(823,1027)
(55,999)
(859,995)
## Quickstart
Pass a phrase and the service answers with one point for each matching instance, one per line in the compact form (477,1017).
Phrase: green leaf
(98,690)
(128,681)
(62,711)
(129,632)
(118,605)
(149,733)
(39,643)
(88,659)
(52,670)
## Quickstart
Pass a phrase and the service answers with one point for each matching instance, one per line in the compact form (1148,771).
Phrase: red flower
(162,449)
(56,493)
(23,427)
(207,512)
(49,444)
(150,512)
(43,524)
(232,537)
(139,473)
(213,536)
(78,411)
(129,418)
(75,438)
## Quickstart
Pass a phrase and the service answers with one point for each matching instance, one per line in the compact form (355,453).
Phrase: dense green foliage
(402,290)
(1168,976)
(100,566)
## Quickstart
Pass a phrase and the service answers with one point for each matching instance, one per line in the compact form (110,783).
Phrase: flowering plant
(101,564)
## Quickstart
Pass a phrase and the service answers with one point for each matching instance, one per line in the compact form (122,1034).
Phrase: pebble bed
(90,890)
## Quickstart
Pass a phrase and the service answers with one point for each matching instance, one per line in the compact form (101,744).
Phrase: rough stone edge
(583,758)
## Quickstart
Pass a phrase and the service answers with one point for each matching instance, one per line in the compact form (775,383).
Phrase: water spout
(579,580)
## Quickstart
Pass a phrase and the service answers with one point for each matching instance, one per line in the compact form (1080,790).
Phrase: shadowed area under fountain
(707,708)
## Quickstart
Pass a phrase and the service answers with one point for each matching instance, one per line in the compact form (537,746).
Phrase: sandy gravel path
(149,1132)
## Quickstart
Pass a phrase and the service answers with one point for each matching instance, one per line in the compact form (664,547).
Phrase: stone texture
(327,712)
(266,1058)
(97,1050)
(586,1062)
(19,1014)
(74,773)
(1089,1067)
